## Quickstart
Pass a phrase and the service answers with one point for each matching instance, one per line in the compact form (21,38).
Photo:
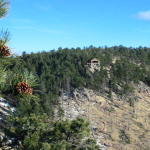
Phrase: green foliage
(70,130)
(124,137)
(12,78)
(68,134)
(4,37)
(46,146)
(29,78)
(65,70)
(3,76)
(3,7)
(38,131)
(27,104)
(30,128)
(89,144)
(26,130)
(127,89)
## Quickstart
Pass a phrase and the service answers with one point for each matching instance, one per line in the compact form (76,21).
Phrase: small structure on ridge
(93,65)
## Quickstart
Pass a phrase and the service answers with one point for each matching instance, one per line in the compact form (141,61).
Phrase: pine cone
(23,88)
(4,51)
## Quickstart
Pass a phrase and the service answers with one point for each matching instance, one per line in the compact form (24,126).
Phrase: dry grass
(111,117)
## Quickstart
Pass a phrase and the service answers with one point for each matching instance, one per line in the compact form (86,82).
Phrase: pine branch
(4,37)
(4,4)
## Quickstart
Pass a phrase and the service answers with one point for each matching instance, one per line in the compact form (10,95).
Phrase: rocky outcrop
(5,109)
(78,105)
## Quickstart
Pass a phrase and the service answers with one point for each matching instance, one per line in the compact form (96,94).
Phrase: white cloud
(144,15)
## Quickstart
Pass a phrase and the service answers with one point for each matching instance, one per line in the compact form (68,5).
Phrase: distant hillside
(66,69)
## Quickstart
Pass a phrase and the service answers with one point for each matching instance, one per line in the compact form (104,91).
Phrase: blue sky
(37,25)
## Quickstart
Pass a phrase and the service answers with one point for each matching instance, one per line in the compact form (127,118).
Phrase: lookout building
(93,65)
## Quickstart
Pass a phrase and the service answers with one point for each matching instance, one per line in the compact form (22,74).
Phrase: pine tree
(4,50)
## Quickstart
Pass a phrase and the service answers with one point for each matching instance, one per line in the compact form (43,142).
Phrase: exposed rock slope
(5,109)
(115,124)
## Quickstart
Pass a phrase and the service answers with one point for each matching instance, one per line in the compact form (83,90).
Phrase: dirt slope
(115,124)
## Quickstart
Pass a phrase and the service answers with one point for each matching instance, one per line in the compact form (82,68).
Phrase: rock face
(5,110)
(115,124)
(79,106)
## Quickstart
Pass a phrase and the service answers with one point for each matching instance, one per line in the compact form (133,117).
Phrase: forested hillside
(65,70)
